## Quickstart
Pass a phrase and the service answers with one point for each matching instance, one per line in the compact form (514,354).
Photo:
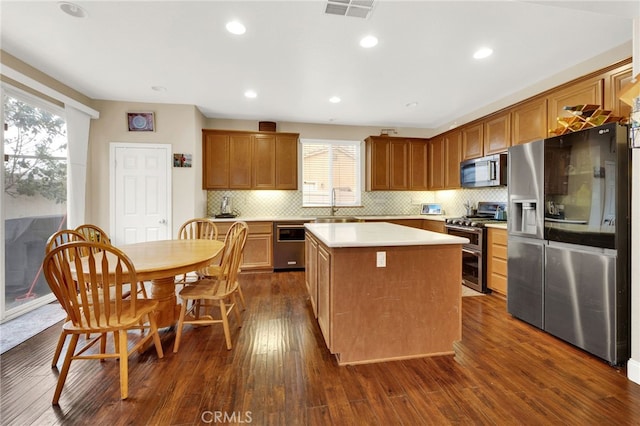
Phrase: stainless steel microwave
(484,171)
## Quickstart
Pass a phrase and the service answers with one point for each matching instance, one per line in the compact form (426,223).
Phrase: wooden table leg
(164,291)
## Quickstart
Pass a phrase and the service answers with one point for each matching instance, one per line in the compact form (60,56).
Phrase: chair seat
(143,307)
(207,288)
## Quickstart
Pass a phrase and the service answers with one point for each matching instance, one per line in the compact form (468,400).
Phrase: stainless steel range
(474,260)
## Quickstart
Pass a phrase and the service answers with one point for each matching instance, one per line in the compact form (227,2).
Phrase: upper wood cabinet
(452,159)
(445,154)
(398,164)
(437,162)
(497,133)
(589,91)
(377,163)
(419,155)
(221,151)
(529,121)
(264,162)
(394,163)
(473,141)
(249,160)
(615,81)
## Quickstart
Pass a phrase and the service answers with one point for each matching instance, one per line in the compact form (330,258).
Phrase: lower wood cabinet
(497,260)
(324,293)
(258,250)
(311,270)
(433,225)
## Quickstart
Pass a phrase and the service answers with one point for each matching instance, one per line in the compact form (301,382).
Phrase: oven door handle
(293,226)
(473,252)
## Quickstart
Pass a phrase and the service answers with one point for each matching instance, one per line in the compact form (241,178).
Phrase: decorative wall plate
(140,121)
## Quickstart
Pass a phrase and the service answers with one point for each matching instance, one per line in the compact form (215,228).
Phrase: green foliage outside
(35,152)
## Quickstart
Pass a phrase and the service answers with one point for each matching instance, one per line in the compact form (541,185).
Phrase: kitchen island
(384,292)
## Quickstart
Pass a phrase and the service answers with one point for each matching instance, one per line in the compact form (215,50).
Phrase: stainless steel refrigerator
(568,269)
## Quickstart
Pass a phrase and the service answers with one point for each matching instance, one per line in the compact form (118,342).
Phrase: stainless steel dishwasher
(288,245)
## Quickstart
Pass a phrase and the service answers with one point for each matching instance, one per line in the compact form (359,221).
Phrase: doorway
(140,192)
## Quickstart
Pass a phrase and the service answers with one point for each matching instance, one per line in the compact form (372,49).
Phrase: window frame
(331,144)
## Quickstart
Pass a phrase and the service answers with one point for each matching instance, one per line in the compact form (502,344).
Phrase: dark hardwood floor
(279,372)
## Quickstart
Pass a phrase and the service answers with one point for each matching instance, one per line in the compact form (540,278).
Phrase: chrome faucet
(333,202)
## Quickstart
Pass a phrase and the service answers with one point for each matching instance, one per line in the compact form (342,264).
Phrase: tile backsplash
(289,203)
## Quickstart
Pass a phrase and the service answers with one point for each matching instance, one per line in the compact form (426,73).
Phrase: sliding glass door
(34,199)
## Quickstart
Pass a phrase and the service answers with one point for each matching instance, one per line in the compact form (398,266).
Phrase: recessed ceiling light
(250,94)
(368,42)
(334,99)
(72,9)
(235,27)
(482,53)
(159,88)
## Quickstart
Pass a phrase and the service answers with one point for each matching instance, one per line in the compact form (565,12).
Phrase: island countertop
(377,234)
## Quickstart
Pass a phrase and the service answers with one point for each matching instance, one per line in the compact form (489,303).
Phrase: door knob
(163,221)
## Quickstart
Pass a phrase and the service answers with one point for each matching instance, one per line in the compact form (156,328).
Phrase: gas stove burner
(486,214)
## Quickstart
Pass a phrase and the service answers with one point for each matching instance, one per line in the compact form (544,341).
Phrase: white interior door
(140,192)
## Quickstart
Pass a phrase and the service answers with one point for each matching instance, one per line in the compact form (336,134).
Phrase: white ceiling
(296,57)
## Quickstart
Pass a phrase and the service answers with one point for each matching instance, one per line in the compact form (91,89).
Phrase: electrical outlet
(381,259)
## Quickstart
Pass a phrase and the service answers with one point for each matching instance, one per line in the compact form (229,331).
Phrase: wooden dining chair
(83,286)
(96,234)
(214,271)
(194,229)
(57,239)
(93,233)
(221,291)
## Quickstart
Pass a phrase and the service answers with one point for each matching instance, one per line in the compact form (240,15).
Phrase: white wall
(178,125)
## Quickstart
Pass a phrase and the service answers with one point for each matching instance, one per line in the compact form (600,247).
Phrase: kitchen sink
(336,219)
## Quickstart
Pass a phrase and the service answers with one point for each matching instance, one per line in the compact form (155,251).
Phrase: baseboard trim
(633,370)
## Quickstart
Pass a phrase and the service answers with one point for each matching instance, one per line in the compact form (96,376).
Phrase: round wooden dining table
(161,261)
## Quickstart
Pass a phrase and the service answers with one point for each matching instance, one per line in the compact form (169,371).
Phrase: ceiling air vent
(354,8)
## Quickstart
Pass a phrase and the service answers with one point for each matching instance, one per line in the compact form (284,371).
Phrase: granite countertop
(377,234)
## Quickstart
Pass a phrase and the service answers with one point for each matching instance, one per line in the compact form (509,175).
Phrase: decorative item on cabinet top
(584,117)
(267,126)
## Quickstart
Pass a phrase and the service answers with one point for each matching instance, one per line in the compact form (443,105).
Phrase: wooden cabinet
(249,160)
(615,81)
(311,270)
(497,133)
(396,164)
(377,163)
(590,91)
(419,156)
(497,260)
(452,159)
(445,155)
(258,250)
(529,121)
(473,141)
(264,162)
(239,167)
(436,170)
(287,161)
(324,293)
(433,225)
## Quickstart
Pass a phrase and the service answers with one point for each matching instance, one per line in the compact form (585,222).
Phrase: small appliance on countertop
(225,209)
